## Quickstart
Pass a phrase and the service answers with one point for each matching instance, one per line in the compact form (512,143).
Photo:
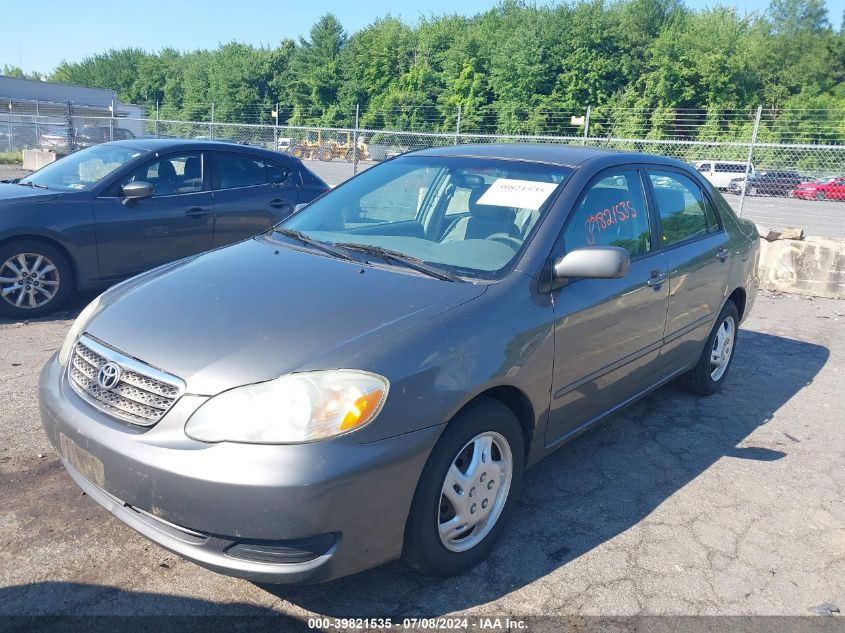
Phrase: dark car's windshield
(469,215)
(84,169)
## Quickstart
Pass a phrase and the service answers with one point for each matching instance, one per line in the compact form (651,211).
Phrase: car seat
(483,221)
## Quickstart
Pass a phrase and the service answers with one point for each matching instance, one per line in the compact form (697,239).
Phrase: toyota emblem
(109,375)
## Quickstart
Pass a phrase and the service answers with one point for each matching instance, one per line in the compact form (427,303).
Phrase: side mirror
(595,262)
(135,191)
(301,205)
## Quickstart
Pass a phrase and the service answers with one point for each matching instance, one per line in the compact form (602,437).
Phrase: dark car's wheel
(709,373)
(466,490)
(35,279)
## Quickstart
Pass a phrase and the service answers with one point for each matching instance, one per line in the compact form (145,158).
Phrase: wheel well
(738,297)
(46,240)
(518,403)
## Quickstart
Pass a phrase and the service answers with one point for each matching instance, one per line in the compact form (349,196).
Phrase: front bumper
(202,501)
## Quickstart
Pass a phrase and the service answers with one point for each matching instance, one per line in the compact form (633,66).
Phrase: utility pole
(276,127)
(750,157)
(458,126)
(355,140)
(586,126)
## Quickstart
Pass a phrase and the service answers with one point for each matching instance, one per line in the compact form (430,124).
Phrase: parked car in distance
(117,209)
(84,136)
(370,378)
(822,189)
(721,172)
(766,183)
(383,151)
(283,144)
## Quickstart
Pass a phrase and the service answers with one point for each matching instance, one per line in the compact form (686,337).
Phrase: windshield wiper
(29,183)
(310,241)
(407,260)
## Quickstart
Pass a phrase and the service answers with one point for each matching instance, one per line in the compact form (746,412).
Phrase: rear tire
(709,373)
(35,279)
(821,195)
(436,544)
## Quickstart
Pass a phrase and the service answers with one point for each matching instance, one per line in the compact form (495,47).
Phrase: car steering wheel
(507,240)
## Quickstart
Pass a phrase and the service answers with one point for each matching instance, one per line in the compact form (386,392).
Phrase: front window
(171,175)
(468,215)
(611,213)
(84,169)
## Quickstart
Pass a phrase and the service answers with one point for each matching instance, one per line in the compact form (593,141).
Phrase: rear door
(695,246)
(251,194)
(175,222)
(608,332)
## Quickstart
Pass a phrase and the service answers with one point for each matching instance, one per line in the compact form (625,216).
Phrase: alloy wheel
(29,280)
(475,491)
(723,345)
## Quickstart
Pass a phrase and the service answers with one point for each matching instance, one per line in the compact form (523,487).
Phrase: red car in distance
(821,189)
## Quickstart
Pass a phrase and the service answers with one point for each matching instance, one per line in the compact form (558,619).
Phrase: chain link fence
(756,157)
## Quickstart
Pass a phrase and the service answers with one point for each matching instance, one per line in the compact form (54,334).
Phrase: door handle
(722,254)
(197,212)
(657,278)
(278,203)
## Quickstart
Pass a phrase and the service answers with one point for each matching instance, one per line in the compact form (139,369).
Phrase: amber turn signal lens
(362,410)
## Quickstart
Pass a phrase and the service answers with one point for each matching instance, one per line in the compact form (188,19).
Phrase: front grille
(141,396)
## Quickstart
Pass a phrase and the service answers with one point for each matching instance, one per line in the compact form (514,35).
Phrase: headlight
(77,328)
(295,408)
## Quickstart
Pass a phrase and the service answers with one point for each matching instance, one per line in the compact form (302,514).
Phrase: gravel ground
(678,505)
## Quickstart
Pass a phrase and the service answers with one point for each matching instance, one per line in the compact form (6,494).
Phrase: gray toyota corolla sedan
(370,379)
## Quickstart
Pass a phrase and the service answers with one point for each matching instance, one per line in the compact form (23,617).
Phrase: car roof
(553,154)
(159,144)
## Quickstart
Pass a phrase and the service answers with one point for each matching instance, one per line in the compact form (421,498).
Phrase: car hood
(256,310)
(10,191)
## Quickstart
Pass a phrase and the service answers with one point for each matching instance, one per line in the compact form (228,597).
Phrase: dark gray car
(370,379)
(117,209)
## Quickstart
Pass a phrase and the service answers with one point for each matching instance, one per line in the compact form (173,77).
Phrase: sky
(191,24)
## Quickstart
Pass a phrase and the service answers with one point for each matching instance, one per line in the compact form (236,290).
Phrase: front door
(251,194)
(608,332)
(175,222)
(696,249)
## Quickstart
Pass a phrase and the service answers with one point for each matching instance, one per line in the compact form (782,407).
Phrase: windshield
(84,169)
(468,215)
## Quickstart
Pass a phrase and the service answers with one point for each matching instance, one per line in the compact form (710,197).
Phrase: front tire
(708,375)
(466,491)
(35,279)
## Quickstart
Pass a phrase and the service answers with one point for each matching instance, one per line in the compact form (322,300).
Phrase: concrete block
(36,158)
(792,233)
(814,266)
(768,234)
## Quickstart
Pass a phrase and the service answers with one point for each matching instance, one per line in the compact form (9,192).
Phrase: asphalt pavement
(677,505)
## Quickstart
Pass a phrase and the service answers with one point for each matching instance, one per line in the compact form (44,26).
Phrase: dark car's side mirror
(595,262)
(134,191)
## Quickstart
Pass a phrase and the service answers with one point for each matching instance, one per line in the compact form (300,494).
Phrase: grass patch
(11,158)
